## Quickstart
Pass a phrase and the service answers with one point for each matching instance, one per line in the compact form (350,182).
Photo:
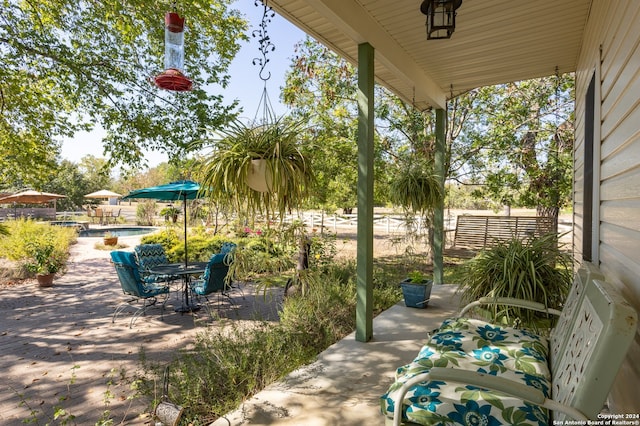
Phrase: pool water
(116,232)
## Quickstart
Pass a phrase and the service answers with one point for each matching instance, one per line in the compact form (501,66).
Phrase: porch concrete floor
(343,386)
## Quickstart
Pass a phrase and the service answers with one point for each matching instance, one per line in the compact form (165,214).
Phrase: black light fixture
(441,17)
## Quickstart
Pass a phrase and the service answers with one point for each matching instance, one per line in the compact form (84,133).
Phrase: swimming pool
(116,232)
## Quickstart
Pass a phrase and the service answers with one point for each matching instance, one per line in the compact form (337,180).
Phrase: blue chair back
(227,248)
(150,256)
(215,274)
(128,272)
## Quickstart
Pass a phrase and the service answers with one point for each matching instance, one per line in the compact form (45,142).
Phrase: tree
(69,65)
(69,180)
(516,140)
(321,89)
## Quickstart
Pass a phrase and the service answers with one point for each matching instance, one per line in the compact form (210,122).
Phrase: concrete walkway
(59,348)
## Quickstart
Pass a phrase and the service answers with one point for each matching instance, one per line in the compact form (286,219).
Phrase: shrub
(38,246)
(536,270)
(146,212)
(228,365)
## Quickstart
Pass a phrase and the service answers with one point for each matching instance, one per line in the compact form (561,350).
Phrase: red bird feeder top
(173,78)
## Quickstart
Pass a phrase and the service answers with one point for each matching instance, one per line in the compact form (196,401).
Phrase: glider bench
(474,372)
(476,233)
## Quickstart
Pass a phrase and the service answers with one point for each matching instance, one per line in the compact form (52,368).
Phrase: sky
(245,85)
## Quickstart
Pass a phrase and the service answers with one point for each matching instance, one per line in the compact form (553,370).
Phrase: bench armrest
(510,301)
(486,381)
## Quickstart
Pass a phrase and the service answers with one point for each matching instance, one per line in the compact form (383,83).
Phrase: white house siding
(613,38)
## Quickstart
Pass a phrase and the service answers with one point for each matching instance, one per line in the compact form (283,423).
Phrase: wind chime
(173,78)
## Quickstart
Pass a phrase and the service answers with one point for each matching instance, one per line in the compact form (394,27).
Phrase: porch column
(438,218)
(364,258)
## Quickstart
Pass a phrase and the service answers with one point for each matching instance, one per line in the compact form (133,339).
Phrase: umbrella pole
(185,231)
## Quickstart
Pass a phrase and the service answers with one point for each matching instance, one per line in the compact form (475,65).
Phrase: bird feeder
(173,78)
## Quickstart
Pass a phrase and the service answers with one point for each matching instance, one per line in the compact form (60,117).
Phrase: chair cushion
(150,255)
(215,259)
(470,344)
(126,258)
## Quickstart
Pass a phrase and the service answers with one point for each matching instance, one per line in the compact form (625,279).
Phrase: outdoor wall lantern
(173,78)
(441,17)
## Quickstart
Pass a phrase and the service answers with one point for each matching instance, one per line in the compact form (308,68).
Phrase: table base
(188,308)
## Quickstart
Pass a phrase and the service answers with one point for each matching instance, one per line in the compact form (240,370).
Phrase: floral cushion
(470,344)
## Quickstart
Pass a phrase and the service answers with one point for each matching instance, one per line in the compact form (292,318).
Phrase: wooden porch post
(364,268)
(438,219)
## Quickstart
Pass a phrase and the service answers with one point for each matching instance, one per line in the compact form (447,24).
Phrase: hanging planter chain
(265,46)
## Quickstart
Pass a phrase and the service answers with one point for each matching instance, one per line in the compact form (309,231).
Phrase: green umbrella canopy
(182,190)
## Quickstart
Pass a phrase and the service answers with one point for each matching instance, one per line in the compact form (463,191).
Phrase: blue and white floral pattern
(470,344)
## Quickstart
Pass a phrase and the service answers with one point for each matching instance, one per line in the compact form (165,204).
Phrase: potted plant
(538,270)
(416,289)
(416,187)
(110,239)
(44,260)
(261,166)
(170,212)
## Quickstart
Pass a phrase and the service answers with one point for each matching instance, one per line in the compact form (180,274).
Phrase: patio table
(185,271)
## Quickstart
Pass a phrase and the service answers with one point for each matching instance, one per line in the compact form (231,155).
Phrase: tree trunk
(553,212)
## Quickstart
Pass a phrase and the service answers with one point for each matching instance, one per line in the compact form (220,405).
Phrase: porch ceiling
(495,41)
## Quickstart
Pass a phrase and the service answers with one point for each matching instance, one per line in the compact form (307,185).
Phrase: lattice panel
(578,351)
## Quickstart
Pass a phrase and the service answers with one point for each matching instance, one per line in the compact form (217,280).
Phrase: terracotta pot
(260,176)
(45,280)
(110,241)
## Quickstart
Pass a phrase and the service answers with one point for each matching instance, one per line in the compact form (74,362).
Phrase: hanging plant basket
(260,176)
(262,166)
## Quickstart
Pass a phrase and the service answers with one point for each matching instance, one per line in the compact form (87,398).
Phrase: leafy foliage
(225,170)
(69,65)
(536,270)
(515,140)
(321,89)
(41,248)
(145,212)
(232,363)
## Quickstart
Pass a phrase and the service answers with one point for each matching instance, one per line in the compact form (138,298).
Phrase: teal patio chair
(148,257)
(214,280)
(133,285)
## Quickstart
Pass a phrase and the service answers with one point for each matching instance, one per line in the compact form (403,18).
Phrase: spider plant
(536,270)
(227,168)
(416,188)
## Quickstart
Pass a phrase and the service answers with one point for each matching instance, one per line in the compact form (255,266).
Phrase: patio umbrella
(30,196)
(182,190)
(103,193)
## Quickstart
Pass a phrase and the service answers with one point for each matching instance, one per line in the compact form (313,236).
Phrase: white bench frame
(594,320)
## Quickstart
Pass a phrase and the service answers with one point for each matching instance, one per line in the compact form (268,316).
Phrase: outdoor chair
(228,249)
(99,215)
(114,217)
(214,280)
(93,215)
(148,257)
(133,285)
